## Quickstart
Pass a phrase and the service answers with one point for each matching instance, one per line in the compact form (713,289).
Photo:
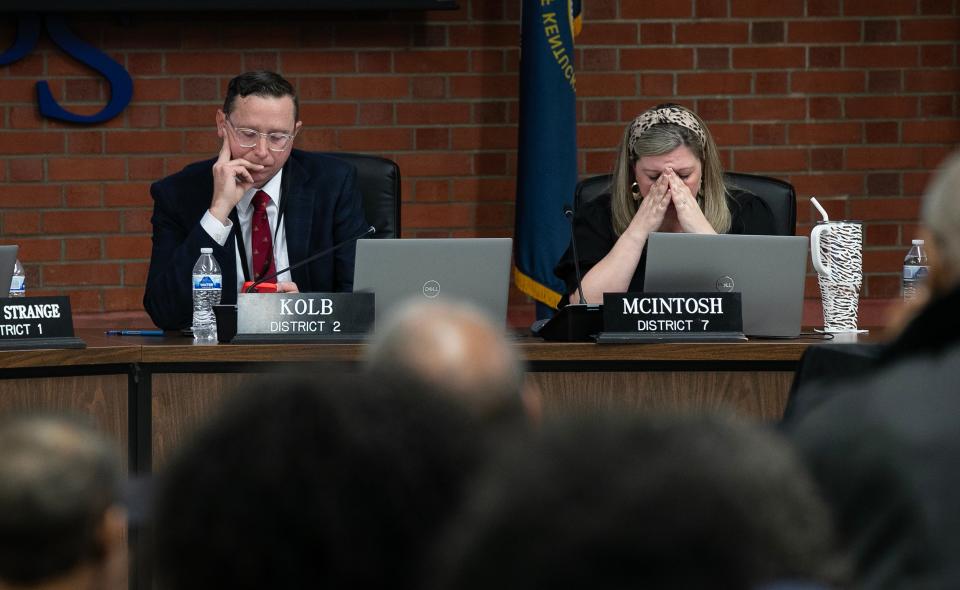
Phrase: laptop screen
(768,271)
(474,270)
(8,257)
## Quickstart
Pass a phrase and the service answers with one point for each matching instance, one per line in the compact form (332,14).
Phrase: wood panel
(103,397)
(751,394)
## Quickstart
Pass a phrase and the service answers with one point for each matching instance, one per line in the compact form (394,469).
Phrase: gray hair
(941,215)
(660,138)
(58,477)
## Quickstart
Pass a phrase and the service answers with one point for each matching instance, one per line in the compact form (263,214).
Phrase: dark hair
(58,476)
(329,482)
(260,83)
(649,503)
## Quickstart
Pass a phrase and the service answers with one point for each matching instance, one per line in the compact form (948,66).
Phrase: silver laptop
(768,271)
(8,257)
(475,270)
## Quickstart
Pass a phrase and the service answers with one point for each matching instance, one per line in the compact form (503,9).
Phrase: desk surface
(174,348)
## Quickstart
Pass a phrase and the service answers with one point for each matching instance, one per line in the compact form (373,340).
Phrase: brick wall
(853,101)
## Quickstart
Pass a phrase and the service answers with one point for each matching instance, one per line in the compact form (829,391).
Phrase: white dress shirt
(220,232)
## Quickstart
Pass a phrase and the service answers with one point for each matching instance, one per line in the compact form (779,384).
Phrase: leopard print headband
(672,114)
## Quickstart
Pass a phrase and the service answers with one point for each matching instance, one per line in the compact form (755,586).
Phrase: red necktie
(261,241)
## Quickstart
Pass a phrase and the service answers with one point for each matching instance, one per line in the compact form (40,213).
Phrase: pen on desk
(134,332)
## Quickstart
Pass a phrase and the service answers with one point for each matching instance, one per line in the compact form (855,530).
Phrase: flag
(547,155)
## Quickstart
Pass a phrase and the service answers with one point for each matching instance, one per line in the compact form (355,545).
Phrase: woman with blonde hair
(667,178)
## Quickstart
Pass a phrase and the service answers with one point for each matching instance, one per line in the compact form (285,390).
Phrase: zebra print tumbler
(836,249)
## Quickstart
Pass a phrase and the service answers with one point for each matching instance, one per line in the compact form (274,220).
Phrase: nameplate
(299,317)
(37,322)
(673,313)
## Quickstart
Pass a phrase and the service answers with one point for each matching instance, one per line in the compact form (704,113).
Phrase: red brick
(885,210)
(883,184)
(768,57)
(825,133)
(311,89)
(599,136)
(764,9)
(770,160)
(713,109)
(655,34)
(885,8)
(31,142)
(25,117)
(823,31)
(713,58)
(78,222)
(769,134)
(882,158)
(494,215)
(837,82)
(881,107)
(882,132)
(824,107)
(880,56)
(438,215)
(374,62)
(947,132)
(488,138)
(597,60)
(190,115)
(885,234)
(135,194)
(490,164)
(433,113)
(136,220)
(932,81)
(144,64)
(125,142)
(767,32)
(599,9)
(21,223)
(824,57)
(884,81)
(79,195)
(68,275)
(657,85)
(135,273)
(202,88)
(156,90)
(936,7)
(127,247)
(29,196)
(38,250)
(379,87)
(431,62)
(434,164)
(881,287)
(730,134)
(85,300)
(707,33)
(618,33)
(711,8)
(375,114)
(260,61)
(936,106)
(486,61)
(202,63)
(484,189)
(317,139)
(880,31)
(148,168)
(328,113)
(777,109)
(605,85)
(656,59)
(82,249)
(931,157)
(828,184)
(936,56)
(85,142)
(484,86)
(431,190)
(200,142)
(374,139)
(95,168)
(25,169)
(708,84)
(122,299)
(647,9)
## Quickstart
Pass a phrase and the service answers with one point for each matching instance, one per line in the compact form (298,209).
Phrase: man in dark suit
(261,205)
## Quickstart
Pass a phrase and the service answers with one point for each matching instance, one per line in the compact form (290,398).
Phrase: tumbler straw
(822,211)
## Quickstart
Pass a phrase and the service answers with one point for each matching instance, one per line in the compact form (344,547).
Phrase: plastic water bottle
(18,282)
(207,281)
(915,270)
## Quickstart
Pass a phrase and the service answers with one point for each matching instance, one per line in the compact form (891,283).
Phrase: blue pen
(134,332)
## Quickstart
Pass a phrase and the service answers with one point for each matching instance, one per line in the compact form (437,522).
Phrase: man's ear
(221,124)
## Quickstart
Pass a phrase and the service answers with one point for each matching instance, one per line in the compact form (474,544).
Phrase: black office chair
(780,196)
(379,182)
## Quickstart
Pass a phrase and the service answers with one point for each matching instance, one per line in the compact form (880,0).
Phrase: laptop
(474,270)
(8,258)
(768,271)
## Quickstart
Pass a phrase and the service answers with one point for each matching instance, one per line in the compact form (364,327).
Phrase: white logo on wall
(431,289)
(725,284)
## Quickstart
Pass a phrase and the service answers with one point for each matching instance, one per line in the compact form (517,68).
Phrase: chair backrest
(780,196)
(378,180)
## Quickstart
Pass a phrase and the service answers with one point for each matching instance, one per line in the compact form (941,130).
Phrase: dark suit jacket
(322,207)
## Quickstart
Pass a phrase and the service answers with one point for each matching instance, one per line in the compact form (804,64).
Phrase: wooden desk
(149,392)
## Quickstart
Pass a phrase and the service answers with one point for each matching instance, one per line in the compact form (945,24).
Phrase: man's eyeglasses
(248,138)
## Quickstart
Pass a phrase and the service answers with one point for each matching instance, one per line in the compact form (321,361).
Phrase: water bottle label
(207,282)
(914,273)
(16,283)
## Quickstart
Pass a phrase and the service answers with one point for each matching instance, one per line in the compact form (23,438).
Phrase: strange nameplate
(37,322)
(303,316)
(673,313)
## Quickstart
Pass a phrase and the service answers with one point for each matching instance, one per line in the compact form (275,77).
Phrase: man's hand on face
(231,179)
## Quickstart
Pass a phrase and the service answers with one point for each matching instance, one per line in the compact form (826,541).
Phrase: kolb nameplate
(37,322)
(303,317)
(648,317)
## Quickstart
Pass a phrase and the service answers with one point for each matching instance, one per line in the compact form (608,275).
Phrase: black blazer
(322,207)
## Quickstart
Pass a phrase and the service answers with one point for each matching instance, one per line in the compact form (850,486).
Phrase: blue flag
(547,157)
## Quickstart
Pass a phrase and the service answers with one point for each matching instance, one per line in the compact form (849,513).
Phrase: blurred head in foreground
(650,503)
(940,215)
(306,482)
(456,350)
(60,522)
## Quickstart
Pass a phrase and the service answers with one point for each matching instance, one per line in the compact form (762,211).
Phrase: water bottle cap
(918,242)
(206,250)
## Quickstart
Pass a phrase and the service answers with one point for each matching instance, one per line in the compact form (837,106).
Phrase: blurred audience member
(884,446)
(656,503)
(307,483)
(455,349)
(60,522)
